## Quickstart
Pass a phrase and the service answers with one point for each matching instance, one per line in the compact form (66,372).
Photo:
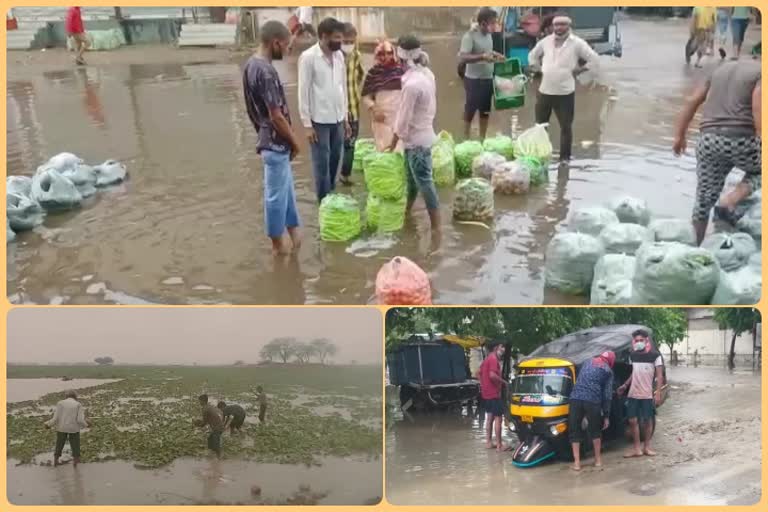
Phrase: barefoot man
(642,398)
(490,391)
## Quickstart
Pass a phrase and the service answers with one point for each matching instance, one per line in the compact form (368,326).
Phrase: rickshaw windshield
(550,385)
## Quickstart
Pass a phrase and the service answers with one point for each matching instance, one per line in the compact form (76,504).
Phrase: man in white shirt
(68,419)
(323,103)
(558,57)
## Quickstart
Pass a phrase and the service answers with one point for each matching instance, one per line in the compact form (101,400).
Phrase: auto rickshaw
(543,382)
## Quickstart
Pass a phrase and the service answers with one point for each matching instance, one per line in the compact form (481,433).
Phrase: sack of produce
(631,210)
(21,185)
(511,178)
(103,40)
(739,288)
(570,262)
(624,238)
(591,220)
(484,164)
(10,236)
(752,221)
(339,218)
(23,213)
(673,230)
(53,191)
(612,283)
(62,162)
(674,273)
(756,261)
(465,154)
(534,142)
(500,144)
(363,148)
(385,174)
(401,282)
(84,178)
(443,161)
(732,250)
(109,173)
(385,215)
(473,200)
(539,170)
(741,208)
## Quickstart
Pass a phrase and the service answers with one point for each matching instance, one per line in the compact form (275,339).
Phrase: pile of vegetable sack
(60,184)
(385,180)
(363,148)
(443,160)
(339,218)
(534,149)
(465,153)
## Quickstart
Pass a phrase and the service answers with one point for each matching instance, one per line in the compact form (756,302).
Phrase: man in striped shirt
(355,75)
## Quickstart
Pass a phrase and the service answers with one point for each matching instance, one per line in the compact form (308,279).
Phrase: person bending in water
(212,418)
(234,416)
(591,398)
(68,419)
(730,127)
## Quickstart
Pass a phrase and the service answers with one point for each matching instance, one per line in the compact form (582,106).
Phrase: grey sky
(185,335)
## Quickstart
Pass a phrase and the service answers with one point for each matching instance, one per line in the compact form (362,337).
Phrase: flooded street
(708,440)
(187,228)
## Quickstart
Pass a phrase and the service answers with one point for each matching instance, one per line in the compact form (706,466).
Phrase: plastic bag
(673,230)
(674,273)
(84,178)
(401,282)
(10,236)
(506,87)
(511,178)
(443,160)
(23,213)
(570,262)
(109,173)
(21,185)
(631,210)
(500,144)
(538,170)
(739,288)
(534,142)
(385,215)
(484,164)
(732,250)
(756,261)
(62,162)
(385,174)
(54,192)
(612,283)
(339,218)
(624,238)
(741,209)
(101,40)
(473,200)
(752,221)
(591,220)
(465,154)
(363,148)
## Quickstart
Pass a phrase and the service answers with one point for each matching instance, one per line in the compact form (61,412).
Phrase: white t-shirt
(644,366)
(305,15)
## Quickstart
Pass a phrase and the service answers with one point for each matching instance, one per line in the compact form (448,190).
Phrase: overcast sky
(185,335)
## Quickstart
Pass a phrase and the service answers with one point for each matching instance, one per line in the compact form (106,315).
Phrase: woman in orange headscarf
(381,93)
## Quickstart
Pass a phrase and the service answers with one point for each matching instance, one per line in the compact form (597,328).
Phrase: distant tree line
(287,349)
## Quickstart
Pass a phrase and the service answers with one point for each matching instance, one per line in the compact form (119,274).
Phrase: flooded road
(708,440)
(187,228)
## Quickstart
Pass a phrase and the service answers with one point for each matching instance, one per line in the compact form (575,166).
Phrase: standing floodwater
(188,225)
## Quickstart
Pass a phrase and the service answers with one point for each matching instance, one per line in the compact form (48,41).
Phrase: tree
(739,321)
(279,348)
(239,362)
(303,352)
(323,349)
(104,361)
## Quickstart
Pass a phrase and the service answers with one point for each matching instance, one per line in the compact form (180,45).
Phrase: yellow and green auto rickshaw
(538,403)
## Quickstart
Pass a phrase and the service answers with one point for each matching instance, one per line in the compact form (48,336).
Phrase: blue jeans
(280,210)
(326,156)
(418,161)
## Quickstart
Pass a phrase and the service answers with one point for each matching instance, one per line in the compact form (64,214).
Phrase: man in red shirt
(76,31)
(491,383)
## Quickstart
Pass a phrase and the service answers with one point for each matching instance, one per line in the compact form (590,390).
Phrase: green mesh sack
(443,163)
(385,215)
(385,174)
(502,145)
(539,170)
(465,153)
(473,200)
(339,218)
(363,148)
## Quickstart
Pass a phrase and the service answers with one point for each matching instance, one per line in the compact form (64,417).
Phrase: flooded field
(320,444)
(187,228)
(708,440)
(21,390)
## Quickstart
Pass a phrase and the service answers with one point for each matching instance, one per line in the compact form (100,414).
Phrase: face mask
(639,346)
(347,48)
(334,46)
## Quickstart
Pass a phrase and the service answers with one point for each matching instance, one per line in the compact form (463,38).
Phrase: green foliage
(739,320)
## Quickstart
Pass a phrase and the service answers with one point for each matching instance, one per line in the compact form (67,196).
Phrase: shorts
(577,411)
(739,29)
(237,421)
(641,408)
(479,96)
(494,406)
(716,156)
(418,161)
(214,441)
(280,211)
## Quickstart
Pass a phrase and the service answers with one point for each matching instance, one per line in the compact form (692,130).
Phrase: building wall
(713,345)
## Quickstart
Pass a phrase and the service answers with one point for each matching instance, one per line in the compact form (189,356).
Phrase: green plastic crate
(508,69)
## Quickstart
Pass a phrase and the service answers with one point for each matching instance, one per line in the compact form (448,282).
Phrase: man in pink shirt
(491,383)
(76,31)
(414,124)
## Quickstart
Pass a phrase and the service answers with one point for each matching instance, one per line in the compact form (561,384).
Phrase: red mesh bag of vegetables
(401,282)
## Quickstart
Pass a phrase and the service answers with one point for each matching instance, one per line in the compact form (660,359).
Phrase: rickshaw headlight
(558,428)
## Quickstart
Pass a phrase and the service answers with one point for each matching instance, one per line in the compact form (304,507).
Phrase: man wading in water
(491,383)
(68,419)
(213,419)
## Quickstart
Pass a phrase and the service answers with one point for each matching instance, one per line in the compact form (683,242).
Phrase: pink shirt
(418,105)
(490,389)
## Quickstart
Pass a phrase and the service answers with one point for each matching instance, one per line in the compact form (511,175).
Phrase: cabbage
(673,230)
(612,283)
(631,210)
(624,238)
(539,170)
(473,200)
(534,142)
(385,174)
(465,154)
(570,262)
(385,215)
(500,144)
(591,220)
(363,148)
(484,164)
(732,250)
(339,218)
(443,163)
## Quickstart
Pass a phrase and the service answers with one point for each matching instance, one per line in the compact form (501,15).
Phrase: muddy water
(21,390)
(708,439)
(188,482)
(188,226)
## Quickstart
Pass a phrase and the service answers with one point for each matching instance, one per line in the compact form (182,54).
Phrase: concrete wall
(713,344)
